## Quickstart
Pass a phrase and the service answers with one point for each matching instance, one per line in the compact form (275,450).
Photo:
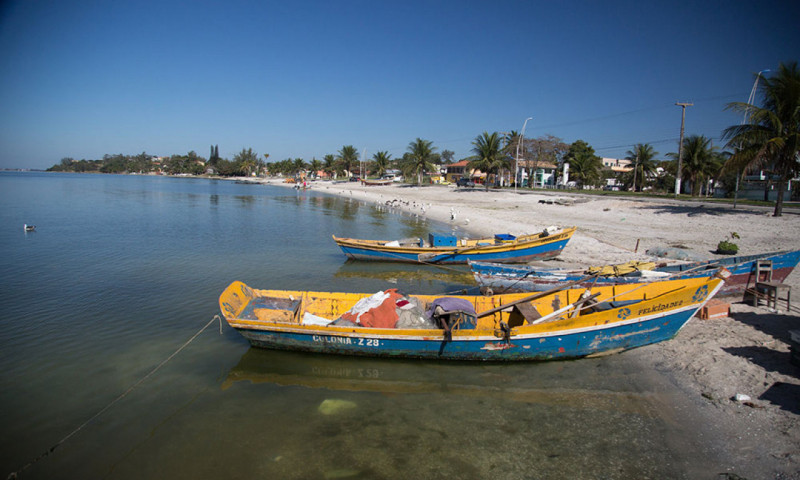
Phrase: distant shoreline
(789,207)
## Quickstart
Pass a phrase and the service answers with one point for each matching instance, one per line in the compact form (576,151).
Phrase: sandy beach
(711,361)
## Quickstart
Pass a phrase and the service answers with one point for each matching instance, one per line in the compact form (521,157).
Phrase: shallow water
(123,270)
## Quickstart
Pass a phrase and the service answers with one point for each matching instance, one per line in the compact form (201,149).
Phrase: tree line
(767,140)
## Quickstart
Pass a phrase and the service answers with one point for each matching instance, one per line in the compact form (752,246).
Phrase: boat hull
(376,183)
(653,329)
(502,278)
(642,315)
(542,248)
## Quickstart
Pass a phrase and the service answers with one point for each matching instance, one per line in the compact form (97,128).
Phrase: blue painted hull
(449,249)
(538,252)
(551,346)
(502,278)
(557,325)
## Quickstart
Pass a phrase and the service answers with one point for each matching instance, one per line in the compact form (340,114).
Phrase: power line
(631,112)
(596,119)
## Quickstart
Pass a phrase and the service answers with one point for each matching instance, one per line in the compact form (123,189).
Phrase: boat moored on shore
(450,249)
(564,323)
(525,278)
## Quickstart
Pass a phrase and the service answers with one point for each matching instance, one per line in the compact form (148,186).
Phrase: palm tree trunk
(779,201)
(767,184)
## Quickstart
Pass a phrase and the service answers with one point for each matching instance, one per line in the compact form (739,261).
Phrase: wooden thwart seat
(522,313)
(528,312)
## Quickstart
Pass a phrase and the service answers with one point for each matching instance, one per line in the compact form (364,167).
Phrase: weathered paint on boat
(659,312)
(522,249)
(518,278)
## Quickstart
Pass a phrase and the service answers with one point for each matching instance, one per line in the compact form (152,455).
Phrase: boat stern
(234,299)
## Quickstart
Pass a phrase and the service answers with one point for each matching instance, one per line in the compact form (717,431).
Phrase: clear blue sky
(301,79)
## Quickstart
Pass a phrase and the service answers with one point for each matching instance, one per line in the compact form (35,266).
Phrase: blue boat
(564,323)
(450,249)
(523,278)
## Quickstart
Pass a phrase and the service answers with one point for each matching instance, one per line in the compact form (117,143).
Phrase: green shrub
(727,248)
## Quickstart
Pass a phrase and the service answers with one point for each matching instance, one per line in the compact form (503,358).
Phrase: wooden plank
(528,311)
(534,296)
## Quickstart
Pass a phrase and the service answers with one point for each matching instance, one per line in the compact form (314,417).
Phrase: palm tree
(643,157)
(347,156)
(381,160)
(246,161)
(510,142)
(447,156)
(315,166)
(489,156)
(299,165)
(246,167)
(699,161)
(584,165)
(716,170)
(771,138)
(329,164)
(420,158)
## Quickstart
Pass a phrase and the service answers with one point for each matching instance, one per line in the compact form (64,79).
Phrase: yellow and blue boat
(561,324)
(438,248)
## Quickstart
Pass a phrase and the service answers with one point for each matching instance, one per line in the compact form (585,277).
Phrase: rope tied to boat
(15,474)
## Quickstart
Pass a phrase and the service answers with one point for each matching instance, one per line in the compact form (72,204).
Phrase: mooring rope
(16,473)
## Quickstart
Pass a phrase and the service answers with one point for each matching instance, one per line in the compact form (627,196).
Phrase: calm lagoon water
(123,270)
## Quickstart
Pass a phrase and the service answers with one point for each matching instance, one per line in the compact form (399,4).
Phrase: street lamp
(516,158)
(750,101)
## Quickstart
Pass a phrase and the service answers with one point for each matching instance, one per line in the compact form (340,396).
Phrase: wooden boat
(519,278)
(565,323)
(450,249)
(376,182)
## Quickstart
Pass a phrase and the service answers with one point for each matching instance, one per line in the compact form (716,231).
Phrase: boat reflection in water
(404,275)
(582,385)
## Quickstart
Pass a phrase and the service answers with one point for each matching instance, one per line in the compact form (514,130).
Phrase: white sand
(711,360)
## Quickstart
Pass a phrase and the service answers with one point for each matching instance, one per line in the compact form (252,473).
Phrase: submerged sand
(710,360)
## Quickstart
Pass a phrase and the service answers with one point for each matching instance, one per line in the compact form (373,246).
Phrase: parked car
(465,182)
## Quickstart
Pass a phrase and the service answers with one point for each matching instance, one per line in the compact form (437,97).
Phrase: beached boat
(522,278)
(565,323)
(376,182)
(450,249)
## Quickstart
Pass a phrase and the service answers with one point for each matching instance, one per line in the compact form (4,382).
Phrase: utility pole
(635,168)
(680,147)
